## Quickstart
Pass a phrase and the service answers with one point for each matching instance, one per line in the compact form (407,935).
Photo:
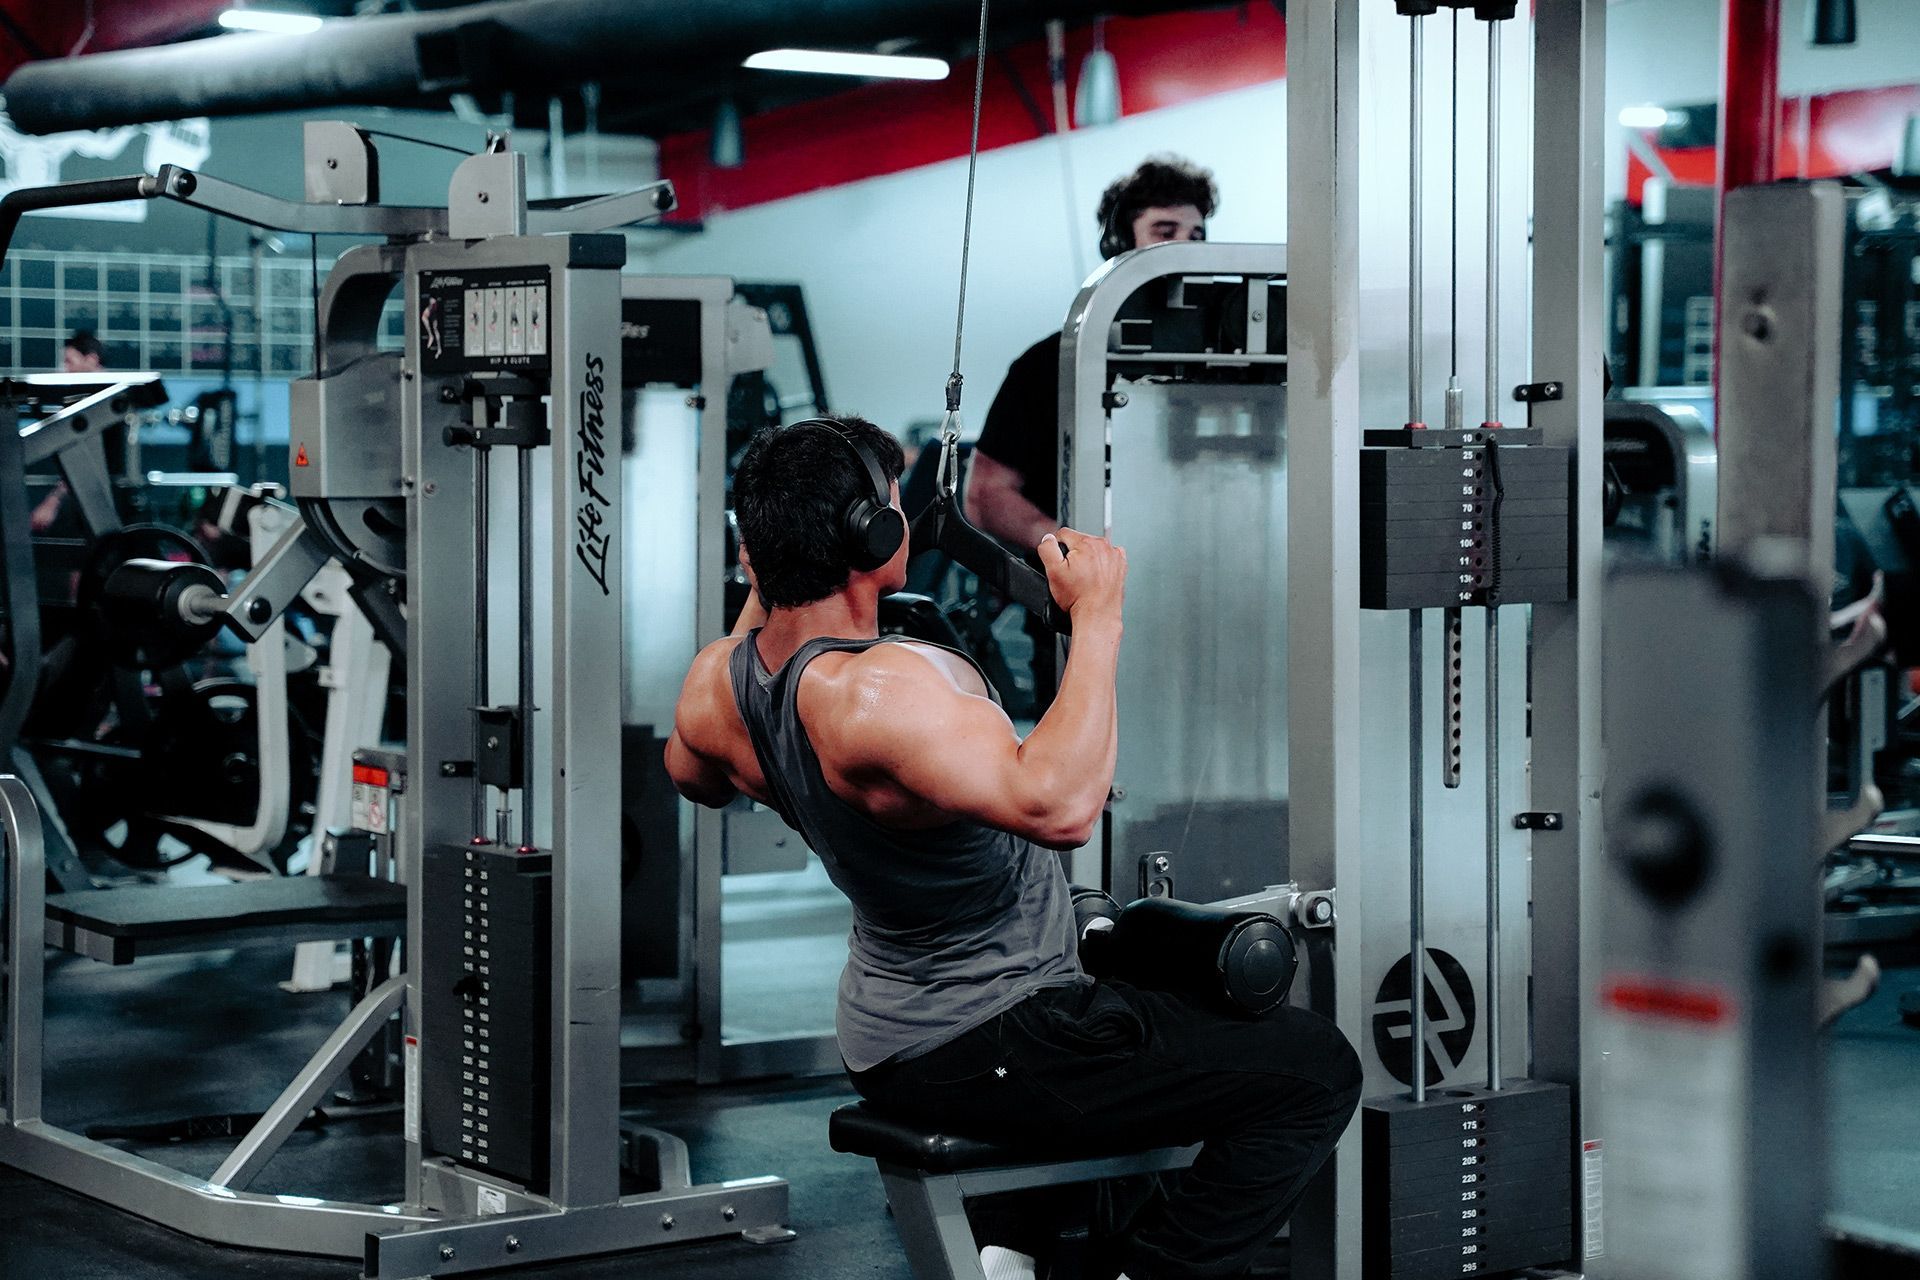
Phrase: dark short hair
(789,492)
(1161,182)
(86,342)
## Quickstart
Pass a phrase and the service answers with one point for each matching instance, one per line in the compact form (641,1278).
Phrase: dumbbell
(1237,961)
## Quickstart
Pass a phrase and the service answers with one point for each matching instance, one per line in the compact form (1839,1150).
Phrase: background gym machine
(1231,463)
(510,817)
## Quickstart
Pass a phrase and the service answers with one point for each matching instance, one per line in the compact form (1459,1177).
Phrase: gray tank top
(951,925)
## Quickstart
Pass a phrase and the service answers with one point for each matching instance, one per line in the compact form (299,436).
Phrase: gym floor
(200,1035)
(208,1034)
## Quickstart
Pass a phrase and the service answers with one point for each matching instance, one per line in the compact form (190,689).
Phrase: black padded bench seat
(858,1130)
(929,1176)
(119,925)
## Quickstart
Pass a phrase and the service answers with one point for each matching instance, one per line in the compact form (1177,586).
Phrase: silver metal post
(1493,846)
(1493,816)
(1493,225)
(1416,658)
(1456,397)
(480,474)
(23,916)
(1416,227)
(527,836)
(1417,852)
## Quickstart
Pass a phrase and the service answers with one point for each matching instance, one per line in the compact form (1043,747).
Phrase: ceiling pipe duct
(540,45)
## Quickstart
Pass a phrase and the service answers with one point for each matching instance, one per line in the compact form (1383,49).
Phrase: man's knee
(1313,1047)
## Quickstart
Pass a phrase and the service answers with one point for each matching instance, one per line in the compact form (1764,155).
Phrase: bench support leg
(931,1216)
(304,1093)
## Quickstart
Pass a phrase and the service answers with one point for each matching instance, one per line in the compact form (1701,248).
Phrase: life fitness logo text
(593,519)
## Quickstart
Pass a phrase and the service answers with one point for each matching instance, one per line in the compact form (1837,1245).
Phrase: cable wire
(418,142)
(966,231)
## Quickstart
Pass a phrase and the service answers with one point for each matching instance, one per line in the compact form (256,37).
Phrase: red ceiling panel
(36,29)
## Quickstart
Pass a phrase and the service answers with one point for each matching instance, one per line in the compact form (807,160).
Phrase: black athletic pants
(1094,1069)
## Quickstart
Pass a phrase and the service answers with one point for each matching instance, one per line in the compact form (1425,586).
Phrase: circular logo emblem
(1450,1018)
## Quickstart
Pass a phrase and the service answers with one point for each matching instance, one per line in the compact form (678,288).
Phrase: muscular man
(963,1004)
(1013,482)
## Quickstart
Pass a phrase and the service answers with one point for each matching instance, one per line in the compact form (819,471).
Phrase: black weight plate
(1491,1257)
(1375,511)
(1399,560)
(1493,1235)
(1446,1112)
(1443,1169)
(1413,1145)
(1544,530)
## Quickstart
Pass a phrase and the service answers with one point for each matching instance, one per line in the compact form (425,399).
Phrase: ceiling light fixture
(1832,22)
(834,63)
(1644,117)
(276,21)
(1098,99)
(727,148)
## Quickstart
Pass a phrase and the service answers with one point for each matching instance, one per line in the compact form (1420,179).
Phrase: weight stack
(1468,1183)
(1449,521)
(486,987)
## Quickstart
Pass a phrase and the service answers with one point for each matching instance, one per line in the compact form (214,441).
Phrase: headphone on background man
(1115,239)
(871,528)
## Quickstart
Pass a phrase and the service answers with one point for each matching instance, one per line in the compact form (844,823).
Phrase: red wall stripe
(1849,131)
(889,127)
(117,24)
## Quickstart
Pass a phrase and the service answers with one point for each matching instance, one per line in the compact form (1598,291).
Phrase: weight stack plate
(486,991)
(1437,531)
(1468,1183)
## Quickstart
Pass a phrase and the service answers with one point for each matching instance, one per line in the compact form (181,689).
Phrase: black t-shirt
(1023,426)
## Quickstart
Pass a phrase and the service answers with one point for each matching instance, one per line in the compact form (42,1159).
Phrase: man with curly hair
(1013,483)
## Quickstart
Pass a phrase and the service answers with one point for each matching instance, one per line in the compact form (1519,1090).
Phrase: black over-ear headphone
(871,529)
(1114,238)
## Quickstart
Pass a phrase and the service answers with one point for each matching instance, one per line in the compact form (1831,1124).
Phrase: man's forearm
(752,614)
(1010,516)
(1076,742)
(994,501)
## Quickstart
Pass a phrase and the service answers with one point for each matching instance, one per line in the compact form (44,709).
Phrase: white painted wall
(1667,52)
(880,259)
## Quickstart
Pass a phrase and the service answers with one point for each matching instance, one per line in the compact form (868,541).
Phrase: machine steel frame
(1327,786)
(454,1218)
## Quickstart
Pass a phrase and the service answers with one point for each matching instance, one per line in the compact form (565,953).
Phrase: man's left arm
(696,777)
(699,777)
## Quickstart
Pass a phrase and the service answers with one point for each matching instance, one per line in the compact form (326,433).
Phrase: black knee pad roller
(1094,912)
(1237,961)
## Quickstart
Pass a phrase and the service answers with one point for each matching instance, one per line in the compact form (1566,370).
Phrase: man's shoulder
(713,658)
(709,683)
(1045,351)
(887,670)
(887,685)
(862,705)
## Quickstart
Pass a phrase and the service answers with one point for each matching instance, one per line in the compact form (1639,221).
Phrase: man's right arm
(912,727)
